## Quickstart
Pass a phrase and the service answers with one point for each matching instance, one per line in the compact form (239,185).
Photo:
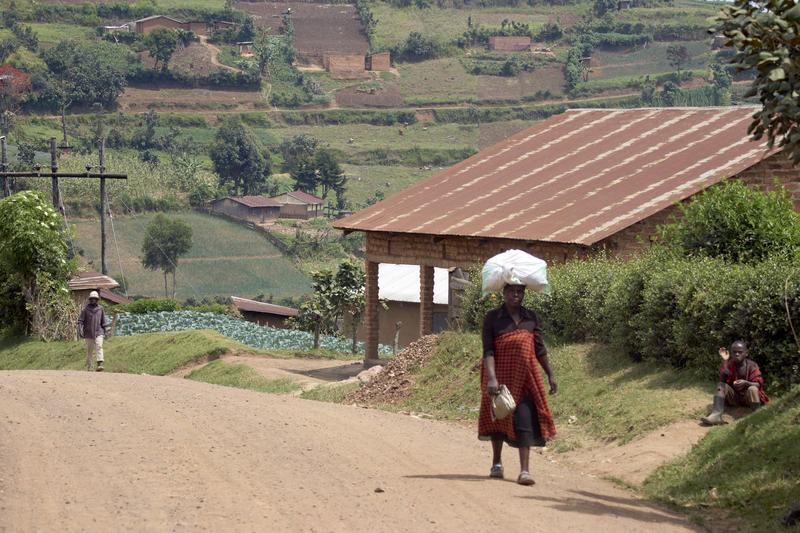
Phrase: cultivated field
(155,96)
(318,28)
(650,59)
(195,59)
(251,265)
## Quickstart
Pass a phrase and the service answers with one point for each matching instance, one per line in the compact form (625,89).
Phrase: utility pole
(4,167)
(103,207)
(54,176)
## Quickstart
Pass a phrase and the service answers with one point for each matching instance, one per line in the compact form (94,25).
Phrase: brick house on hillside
(256,209)
(263,313)
(148,24)
(575,184)
(299,204)
(13,78)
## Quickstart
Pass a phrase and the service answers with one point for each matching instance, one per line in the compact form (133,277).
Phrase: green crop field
(443,80)
(394,24)
(364,181)
(651,59)
(226,259)
(50,34)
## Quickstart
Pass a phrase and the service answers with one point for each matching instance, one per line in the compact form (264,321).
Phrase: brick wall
(509,44)
(381,62)
(161,22)
(774,169)
(344,66)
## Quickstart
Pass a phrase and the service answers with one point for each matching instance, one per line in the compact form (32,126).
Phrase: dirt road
(111,452)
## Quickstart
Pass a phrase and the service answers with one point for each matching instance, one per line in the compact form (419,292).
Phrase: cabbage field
(247,333)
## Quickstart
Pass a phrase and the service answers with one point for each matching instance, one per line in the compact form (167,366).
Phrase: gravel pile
(394,383)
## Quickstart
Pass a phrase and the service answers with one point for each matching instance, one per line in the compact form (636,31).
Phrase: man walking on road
(92,327)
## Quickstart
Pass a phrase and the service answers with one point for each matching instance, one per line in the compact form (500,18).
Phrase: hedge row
(673,309)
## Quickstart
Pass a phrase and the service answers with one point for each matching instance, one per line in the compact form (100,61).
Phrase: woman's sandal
(496,471)
(525,478)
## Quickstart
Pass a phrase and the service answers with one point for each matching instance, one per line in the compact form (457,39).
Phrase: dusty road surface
(115,452)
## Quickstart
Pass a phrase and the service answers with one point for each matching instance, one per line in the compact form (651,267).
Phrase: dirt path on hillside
(214,53)
(82,451)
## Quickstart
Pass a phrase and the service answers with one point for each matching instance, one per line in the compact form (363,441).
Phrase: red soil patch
(169,98)
(195,59)
(389,96)
(318,28)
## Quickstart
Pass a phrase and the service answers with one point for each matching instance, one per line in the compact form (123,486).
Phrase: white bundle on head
(514,267)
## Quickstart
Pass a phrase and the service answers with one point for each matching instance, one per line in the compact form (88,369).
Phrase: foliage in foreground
(34,268)
(765,36)
(241,331)
(753,465)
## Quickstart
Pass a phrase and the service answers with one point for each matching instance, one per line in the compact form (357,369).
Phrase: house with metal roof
(299,204)
(572,185)
(263,313)
(256,209)
(85,282)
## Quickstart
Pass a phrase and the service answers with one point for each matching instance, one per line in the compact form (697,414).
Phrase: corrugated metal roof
(575,178)
(400,283)
(255,201)
(91,281)
(254,306)
(306,197)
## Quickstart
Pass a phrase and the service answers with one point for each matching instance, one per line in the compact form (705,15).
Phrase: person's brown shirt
(498,321)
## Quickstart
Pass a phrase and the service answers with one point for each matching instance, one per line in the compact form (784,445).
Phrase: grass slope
(242,377)
(251,265)
(610,397)
(754,465)
(153,353)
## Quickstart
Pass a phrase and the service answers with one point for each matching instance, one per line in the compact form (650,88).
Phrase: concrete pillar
(371,314)
(425,300)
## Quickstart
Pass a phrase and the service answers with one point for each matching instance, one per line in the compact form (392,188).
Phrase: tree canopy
(161,43)
(239,158)
(165,241)
(96,72)
(766,38)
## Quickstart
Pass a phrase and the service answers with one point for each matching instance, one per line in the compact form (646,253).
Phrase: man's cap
(94,295)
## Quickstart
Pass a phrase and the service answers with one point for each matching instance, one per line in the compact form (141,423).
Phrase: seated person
(740,383)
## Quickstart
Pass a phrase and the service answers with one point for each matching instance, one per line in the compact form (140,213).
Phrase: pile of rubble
(393,383)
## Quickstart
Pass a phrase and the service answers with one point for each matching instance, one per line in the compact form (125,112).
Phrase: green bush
(150,305)
(736,223)
(662,306)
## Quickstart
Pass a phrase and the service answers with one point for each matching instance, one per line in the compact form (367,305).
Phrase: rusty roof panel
(577,177)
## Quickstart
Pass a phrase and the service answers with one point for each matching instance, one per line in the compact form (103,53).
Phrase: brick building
(509,44)
(148,24)
(85,282)
(380,62)
(256,209)
(585,181)
(345,66)
(299,204)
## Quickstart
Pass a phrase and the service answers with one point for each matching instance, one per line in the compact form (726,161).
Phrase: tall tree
(161,43)
(678,56)
(239,158)
(330,174)
(298,148)
(765,37)
(305,175)
(165,241)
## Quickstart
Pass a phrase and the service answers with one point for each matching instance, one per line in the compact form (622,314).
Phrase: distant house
(624,4)
(245,48)
(345,66)
(86,282)
(148,24)
(262,313)
(256,209)
(380,62)
(509,44)
(224,25)
(299,204)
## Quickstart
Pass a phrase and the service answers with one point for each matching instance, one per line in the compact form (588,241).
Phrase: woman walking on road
(513,349)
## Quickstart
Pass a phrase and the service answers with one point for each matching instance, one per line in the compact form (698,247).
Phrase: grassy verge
(153,353)
(242,377)
(604,394)
(749,469)
(330,393)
